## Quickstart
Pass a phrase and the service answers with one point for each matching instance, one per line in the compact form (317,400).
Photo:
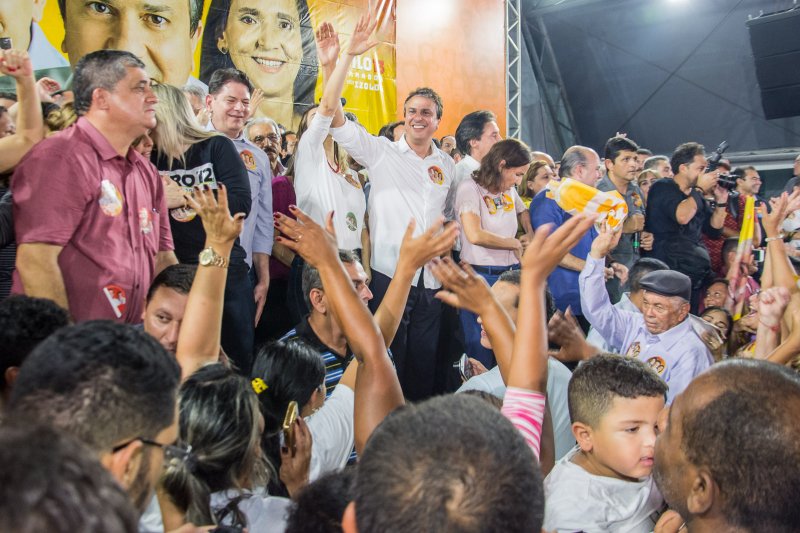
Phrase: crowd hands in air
(213,328)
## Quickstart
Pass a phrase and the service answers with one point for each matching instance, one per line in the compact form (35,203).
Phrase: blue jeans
(469,321)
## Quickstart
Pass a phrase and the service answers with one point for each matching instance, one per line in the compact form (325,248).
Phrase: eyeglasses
(172,452)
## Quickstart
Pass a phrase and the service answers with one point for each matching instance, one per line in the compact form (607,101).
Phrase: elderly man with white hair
(661,336)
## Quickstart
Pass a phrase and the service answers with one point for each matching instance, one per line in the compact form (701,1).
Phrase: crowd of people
(211,322)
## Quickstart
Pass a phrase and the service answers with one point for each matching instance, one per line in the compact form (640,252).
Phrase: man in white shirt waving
(410,180)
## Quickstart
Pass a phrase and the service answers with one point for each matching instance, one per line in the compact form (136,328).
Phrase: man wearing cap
(661,336)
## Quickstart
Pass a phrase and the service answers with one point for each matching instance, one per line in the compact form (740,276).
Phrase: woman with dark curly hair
(272,42)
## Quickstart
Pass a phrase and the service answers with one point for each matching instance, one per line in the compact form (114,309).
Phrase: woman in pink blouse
(488,208)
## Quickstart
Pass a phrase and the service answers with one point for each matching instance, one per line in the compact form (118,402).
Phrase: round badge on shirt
(248,159)
(183,214)
(110,199)
(350,220)
(658,364)
(436,175)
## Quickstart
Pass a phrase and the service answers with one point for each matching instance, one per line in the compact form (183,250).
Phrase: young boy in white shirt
(604,483)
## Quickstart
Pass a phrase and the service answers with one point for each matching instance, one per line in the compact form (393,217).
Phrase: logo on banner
(110,199)
(658,364)
(248,159)
(145,220)
(116,297)
(436,175)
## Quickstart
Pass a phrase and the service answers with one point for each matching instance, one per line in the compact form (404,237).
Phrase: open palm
(327,44)
(362,40)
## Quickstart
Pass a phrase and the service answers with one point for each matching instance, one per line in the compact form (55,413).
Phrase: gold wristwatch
(208,257)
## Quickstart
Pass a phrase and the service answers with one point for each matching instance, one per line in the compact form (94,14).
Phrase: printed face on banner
(158,32)
(15,20)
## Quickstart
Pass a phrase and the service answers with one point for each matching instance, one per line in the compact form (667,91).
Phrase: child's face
(624,443)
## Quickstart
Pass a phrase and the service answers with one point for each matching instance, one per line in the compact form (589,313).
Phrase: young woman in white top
(488,208)
(222,481)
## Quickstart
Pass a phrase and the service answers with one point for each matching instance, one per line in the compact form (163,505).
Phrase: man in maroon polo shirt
(89,212)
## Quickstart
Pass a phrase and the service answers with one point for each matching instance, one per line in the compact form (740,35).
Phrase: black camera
(727,179)
(5,43)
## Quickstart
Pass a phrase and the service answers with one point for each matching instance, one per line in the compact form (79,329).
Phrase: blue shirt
(677,355)
(563,282)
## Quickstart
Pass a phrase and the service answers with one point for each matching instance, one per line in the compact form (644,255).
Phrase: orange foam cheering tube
(575,197)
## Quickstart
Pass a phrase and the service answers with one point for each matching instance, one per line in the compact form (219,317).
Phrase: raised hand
(546,250)
(46,87)
(436,241)
(220,226)
(317,245)
(772,303)
(327,44)
(15,63)
(362,39)
(605,241)
(781,206)
(464,289)
(256,99)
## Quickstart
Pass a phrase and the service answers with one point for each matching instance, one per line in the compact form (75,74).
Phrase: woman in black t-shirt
(188,156)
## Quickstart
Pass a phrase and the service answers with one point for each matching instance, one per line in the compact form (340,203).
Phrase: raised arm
(782,273)
(30,129)
(377,390)
(360,42)
(199,337)
(415,252)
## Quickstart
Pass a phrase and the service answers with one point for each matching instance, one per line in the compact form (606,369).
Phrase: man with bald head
(728,453)
(581,164)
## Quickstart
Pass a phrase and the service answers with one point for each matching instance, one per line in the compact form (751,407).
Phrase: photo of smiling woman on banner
(272,42)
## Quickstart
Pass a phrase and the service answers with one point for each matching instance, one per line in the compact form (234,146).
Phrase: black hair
(748,438)
(312,280)
(50,482)
(644,151)
(8,95)
(430,94)
(219,420)
(387,130)
(291,369)
(729,245)
(102,69)
(684,155)
(615,145)
(596,382)
(640,268)
(101,381)
(24,323)
(457,463)
(514,277)
(176,277)
(320,506)
(212,59)
(471,128)
(221,77)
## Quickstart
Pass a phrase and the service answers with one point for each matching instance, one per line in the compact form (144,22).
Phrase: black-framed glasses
(172,452)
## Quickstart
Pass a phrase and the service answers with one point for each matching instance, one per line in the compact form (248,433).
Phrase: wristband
(776,328)
(778,237)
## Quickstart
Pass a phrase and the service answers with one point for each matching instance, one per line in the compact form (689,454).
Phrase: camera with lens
(727,179)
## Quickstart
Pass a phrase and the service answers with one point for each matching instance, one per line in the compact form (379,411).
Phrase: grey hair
(573,157)
(260,120)
(652,161)
(195,90)
(102,69)
(312,280)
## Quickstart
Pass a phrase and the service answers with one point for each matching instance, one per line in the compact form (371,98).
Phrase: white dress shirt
(404,186)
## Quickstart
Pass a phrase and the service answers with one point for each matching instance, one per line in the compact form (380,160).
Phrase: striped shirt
(335,364)
(525,409)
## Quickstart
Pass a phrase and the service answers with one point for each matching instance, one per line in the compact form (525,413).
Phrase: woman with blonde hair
(189,156)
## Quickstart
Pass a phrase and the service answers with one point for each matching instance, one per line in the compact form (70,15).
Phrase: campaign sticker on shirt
(110,199)
(183,214)
(637,200)
(436,175)
(634,350)
(248,159)
(350,220)
(193,177)
(145,220)
(495,204)
(116,297)
(658,364)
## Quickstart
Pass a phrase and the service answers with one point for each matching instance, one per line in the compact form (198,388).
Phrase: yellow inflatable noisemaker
(575,197)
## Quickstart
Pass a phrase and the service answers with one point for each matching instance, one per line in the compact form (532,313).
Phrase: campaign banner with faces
(184,41)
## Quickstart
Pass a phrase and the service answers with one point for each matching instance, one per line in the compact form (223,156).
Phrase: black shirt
(209,162)
(662,204)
